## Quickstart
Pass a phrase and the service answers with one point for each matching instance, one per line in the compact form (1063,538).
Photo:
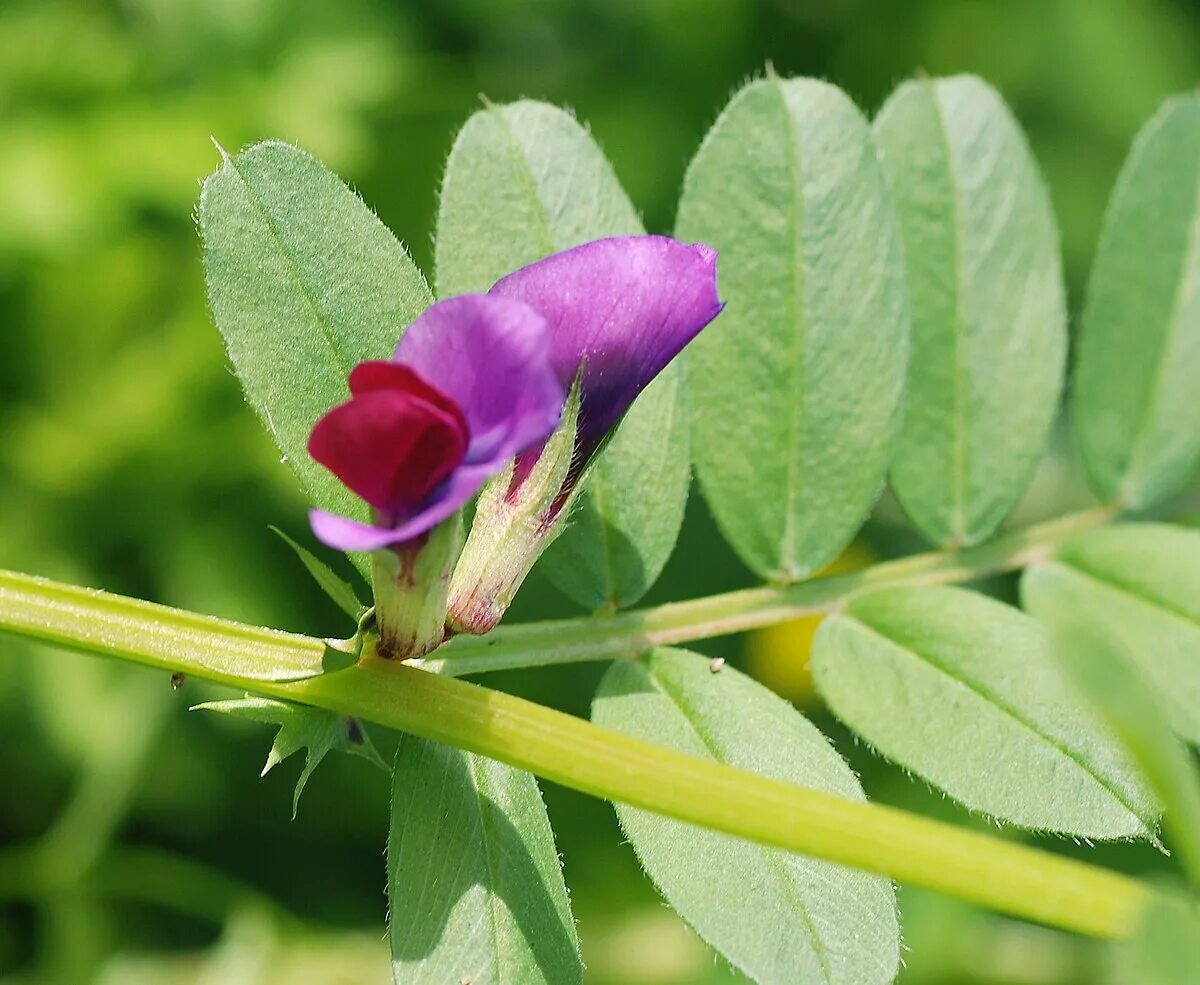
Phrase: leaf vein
(1001,705)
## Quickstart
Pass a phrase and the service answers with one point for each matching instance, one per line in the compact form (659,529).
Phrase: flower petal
(390,444)
(492,356)
(622,308)
(344,534)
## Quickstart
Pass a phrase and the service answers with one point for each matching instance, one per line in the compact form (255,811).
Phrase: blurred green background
(137,843)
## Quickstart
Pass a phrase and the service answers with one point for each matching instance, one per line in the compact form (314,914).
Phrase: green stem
(1005,876)
(605,637)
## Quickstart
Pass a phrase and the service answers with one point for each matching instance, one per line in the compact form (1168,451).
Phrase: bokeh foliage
(138,841)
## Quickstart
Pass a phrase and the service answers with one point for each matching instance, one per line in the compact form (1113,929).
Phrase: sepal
(315,730)
(412,583)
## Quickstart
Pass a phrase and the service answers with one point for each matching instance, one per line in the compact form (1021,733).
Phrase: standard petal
(492,356)
(621,309)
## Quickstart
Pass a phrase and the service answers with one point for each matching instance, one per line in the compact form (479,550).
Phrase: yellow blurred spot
(647,947)
(779,656)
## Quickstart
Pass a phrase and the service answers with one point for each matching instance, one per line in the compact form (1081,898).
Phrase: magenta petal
(622,308)
(492,356)
(391,446)
(345,534)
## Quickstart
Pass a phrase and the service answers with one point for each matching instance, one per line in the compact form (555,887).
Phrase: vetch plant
(890,311)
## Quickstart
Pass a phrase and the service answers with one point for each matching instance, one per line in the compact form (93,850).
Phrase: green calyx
(412,583)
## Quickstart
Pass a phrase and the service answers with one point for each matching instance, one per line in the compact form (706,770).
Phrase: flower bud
(519,514)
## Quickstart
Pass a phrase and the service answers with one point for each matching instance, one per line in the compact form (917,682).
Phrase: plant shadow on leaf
(460,869)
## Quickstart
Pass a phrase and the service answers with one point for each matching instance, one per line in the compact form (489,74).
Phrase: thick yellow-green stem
(987,870)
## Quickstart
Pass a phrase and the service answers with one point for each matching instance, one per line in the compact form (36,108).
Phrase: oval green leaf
(1140,584)
(1127,703)
(304,282)
(1138,353)
(988,311)
(965,692)
(794,391)
(525,180)
(475,889)
(777,916)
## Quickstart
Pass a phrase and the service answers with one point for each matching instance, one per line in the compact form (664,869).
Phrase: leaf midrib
(325,326)
(546,241)
(475,771)
(958,522)
(788,560)
(984,694)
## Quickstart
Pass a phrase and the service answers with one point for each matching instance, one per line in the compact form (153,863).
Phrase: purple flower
(620,308)
(480,379)
(469,387)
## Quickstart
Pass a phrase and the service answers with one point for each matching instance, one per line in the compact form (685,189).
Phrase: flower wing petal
(492,356)
(344,534)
